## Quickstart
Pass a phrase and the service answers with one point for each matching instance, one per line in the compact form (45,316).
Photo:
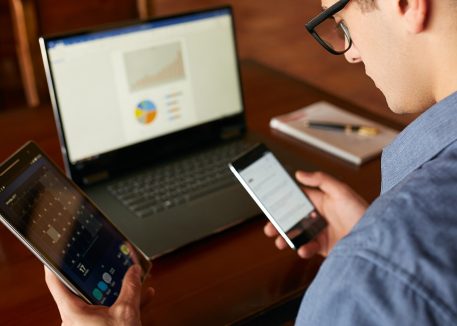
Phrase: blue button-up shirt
(398,266)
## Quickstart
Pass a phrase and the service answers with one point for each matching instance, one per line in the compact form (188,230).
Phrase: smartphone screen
(63,228)
(278,195)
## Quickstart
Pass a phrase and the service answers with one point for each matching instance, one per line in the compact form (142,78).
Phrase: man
(395,262)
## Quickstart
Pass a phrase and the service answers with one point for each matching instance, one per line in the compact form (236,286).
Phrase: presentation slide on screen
(119,90)
(156,98)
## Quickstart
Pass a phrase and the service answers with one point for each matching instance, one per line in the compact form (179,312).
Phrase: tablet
(64,228)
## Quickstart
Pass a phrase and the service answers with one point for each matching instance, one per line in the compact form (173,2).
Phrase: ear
(415,14)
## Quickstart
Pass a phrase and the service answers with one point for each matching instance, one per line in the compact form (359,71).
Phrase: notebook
(352,147)
(149,114)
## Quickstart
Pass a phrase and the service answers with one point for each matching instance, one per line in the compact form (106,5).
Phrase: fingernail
(299,173)
(137,270)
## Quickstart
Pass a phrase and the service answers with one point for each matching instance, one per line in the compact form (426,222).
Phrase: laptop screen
(121,86)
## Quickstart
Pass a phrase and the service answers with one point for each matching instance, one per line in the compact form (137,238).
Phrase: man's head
(409,47)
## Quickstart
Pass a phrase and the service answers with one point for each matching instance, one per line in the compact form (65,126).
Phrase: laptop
(149,114)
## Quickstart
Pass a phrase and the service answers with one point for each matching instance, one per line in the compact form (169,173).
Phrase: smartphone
(63,228)
(278,196)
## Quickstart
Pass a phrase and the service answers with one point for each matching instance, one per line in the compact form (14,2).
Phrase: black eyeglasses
(333,36)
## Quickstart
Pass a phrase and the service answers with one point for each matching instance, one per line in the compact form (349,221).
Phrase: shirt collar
(419,142)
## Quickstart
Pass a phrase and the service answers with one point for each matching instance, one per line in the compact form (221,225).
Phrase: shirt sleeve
(362,290)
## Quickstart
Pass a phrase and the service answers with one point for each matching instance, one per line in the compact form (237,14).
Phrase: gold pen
(347,128)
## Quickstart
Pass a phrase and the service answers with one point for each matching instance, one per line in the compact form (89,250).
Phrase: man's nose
(352,55)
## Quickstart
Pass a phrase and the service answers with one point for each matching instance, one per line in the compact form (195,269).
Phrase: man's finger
(146,296)
(130,294)
(315,196)
(66,300)
(309,250)
(270,230)
(280,243)
(318,180)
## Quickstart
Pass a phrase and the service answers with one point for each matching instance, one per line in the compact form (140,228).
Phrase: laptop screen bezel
(131,157)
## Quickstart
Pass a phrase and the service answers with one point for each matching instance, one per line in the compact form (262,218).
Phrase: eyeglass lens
(333,34)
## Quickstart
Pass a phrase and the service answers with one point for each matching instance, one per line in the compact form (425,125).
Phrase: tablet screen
(54,218)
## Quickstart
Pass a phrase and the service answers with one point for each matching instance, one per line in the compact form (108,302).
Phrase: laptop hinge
(231,132)
(95,177)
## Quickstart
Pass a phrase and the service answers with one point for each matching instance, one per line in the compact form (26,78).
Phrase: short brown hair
(367,5)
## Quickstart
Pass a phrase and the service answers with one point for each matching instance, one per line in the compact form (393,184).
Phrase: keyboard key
(174,184)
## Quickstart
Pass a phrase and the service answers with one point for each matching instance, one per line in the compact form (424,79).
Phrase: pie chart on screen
(146,112)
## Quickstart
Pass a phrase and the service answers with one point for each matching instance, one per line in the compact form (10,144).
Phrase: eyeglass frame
(327,13)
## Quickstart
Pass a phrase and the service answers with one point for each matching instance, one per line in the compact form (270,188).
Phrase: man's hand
(125,311)
(336,202)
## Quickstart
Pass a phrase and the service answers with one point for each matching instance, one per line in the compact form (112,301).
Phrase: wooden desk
(223,279)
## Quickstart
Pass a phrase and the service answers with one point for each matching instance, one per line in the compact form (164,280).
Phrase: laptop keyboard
(179,182)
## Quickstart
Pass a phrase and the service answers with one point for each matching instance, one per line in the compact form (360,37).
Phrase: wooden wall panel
(63,15)
(11,93)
